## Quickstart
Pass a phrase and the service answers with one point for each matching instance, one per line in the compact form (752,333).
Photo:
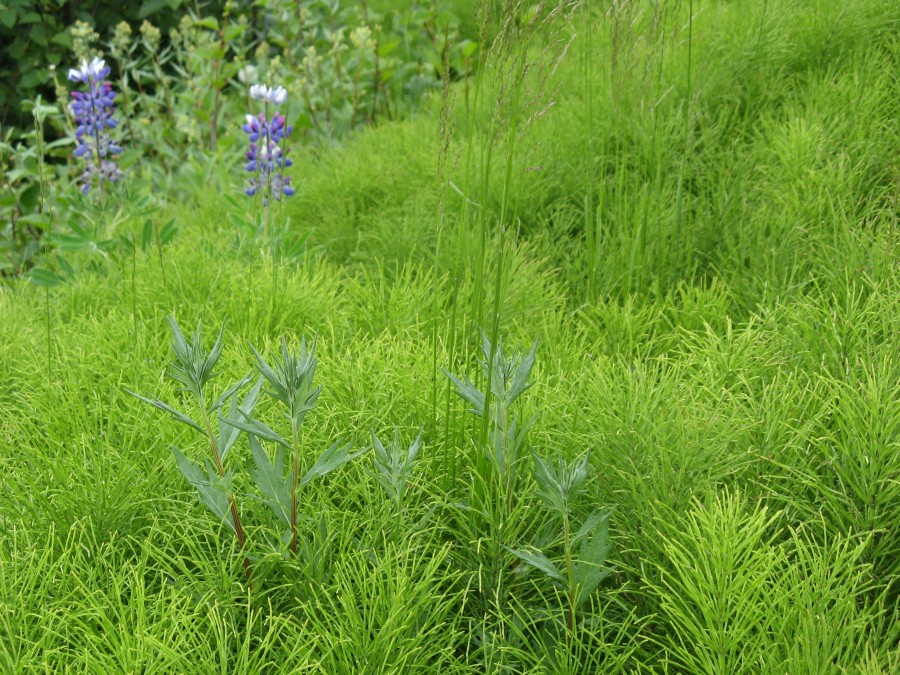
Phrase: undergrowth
(660,238)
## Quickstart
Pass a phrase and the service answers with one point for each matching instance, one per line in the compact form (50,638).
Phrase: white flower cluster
(361,38)
(261,92)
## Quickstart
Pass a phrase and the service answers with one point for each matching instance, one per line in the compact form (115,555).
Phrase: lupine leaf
(167,232)
(209,486)
(329,460)
(44,278)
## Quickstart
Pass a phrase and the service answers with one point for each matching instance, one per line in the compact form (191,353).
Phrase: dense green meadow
(691,207)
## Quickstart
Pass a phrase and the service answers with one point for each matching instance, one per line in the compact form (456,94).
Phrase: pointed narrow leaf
(231,390)
(252,426)
(210,363)
(589,524)
(467,391)
(578,473)
(228,433)
(212,495)
(271,481)
(414,449)
(549,487)
(591,569)
(539,561)
(266,370)
(520,383)
(179,343)
(329,460)
(587,579)
(181,417)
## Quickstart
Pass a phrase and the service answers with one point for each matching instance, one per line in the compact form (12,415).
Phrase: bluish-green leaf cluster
(290,383)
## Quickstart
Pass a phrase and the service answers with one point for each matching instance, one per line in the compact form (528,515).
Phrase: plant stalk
(220,469)
(295,479)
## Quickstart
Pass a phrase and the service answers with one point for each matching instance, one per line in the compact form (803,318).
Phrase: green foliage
(193,368)
(290,382)
(394,466)
(737,599)
(724,571)
(350,65)
(182,86)
(212,488)
(709,263)
(38,41)
(557,487)
(506,378)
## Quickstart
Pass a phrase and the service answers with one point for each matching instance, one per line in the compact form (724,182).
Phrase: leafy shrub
(37,38)
(181,85)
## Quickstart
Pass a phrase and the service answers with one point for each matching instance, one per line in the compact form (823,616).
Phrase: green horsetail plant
(291,384)
(194,367)
(557,486)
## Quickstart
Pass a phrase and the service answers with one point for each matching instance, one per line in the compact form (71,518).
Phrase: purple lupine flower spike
(266,157)
(93,110)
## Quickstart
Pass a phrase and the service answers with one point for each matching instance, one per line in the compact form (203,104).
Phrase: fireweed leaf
(539,561)
(271,481)
(210,487)
(329,460)
(181,417)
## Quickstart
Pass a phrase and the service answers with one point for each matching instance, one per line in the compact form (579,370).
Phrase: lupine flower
(261,92)
(266,156)
(93,111)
